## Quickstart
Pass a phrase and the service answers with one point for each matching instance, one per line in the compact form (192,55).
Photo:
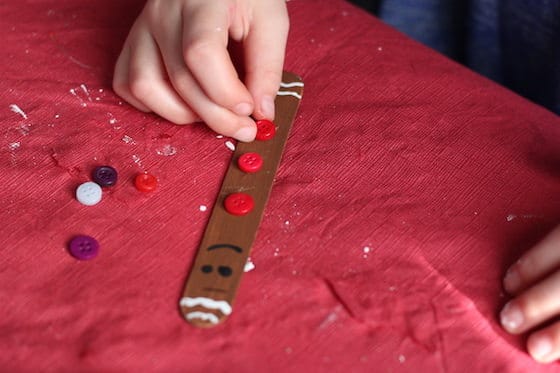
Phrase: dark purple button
(84,247)
(105,176)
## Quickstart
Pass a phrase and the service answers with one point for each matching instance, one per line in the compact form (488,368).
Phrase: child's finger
(148,83)
(544,345)
(265,48)
(534,306)
(204,45)
(120,80)
(535,264)
(215,116)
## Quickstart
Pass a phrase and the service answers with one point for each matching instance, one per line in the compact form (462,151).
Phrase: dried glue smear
(16,109)
(249,266)
(230,145)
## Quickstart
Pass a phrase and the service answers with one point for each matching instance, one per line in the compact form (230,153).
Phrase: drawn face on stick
(212,285)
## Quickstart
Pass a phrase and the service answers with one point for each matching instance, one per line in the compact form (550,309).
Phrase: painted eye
(206,268)
(224,271)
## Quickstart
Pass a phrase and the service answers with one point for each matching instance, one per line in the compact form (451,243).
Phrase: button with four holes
(84,247)
(105,176)
(265,130)
(239,204)
(89,193)
(250,162)
(145,182)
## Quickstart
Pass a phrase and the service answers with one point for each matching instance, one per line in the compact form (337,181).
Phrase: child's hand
(175,62)
(535,282)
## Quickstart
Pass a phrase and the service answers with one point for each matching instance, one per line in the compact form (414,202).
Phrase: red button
(239,204)
(265,130)
(250,162)
(145,182)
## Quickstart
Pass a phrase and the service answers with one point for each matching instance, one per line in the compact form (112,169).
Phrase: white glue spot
(166,150)
(14,145)
(138,161)
(128,140)
(230,145)
(16,109)
(249,266)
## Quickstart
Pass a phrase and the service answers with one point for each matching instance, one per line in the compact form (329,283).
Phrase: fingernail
(511,317)
(541,347)
(267,107)
(243,108)
(245,134)
(512,280)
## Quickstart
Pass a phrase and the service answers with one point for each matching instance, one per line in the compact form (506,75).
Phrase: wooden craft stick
(219,264)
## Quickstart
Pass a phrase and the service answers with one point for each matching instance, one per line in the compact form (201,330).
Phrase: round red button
(250,162)
(265,130)
(145,182)
(239,204)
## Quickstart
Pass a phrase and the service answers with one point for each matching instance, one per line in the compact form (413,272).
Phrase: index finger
(205,39)
(535,264)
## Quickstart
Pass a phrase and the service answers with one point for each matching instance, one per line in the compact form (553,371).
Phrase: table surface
(407,187)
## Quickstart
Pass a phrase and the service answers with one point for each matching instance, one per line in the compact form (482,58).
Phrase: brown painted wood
(210,292)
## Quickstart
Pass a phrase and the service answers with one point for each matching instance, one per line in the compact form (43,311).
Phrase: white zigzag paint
(204,316)
(209,303)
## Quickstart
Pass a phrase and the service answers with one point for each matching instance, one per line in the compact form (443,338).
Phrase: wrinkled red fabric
(408,185)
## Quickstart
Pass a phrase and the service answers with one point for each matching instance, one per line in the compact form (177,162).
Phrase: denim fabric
(514,42)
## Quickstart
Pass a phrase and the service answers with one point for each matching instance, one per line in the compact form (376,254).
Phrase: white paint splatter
(24,129)
(128,140)
(14,145)
(166,150)
(16,109)
(230,145)
(219,136)
(277,251)
(112,120)
(510,217)
(249,266)
(86,92)
(203,208)
(366,249)
(380,48)
(402,359)
(138,161)
(330,318)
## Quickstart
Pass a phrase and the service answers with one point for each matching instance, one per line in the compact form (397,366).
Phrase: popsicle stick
(214,278)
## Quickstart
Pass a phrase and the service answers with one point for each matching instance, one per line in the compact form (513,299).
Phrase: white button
(89,193)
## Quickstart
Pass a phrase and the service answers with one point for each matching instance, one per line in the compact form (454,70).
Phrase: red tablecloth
(408,185)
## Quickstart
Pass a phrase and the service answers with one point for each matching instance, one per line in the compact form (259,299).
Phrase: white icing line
(289,93)
(292,84)
(209,303)
(16,109)
(204,316)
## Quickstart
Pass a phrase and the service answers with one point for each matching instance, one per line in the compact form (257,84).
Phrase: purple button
(105,176)
(84,247)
